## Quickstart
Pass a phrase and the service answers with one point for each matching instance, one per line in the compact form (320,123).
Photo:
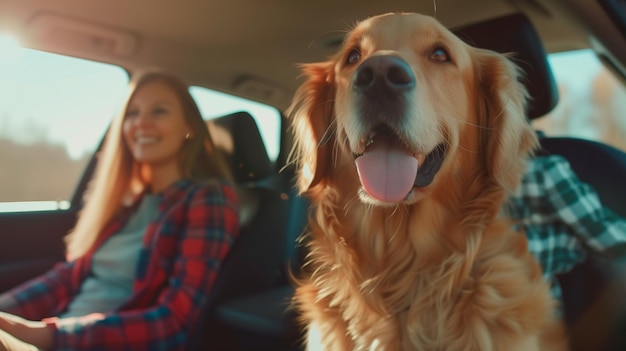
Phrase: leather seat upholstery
(256,260)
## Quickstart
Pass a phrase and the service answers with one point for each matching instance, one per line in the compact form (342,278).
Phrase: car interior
(252,50)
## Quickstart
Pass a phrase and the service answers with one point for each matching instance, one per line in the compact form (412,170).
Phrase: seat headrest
(515,34)
(237,135)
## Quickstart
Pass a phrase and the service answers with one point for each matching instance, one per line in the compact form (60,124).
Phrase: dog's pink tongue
(387,170)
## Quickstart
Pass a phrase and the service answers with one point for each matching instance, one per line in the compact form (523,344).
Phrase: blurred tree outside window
(592,101)
(54,111)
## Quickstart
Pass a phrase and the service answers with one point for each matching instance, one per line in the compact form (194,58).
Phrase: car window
(591,102)
(54,111)
(213,104)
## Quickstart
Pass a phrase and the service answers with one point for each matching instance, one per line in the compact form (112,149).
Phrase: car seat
(256,261)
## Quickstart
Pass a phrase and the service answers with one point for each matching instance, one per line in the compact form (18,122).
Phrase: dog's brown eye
(440,55)
(353,56)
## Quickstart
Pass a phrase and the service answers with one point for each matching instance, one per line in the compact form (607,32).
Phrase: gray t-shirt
(114,265)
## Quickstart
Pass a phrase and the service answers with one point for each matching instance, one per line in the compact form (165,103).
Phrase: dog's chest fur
(396,280)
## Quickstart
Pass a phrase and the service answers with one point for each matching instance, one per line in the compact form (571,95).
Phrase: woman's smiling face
(154,126)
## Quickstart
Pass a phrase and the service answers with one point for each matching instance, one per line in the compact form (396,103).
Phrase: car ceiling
(251,48)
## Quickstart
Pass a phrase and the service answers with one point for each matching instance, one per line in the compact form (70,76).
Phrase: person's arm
(36,333)
(578,206)
(41,297)
(210,230)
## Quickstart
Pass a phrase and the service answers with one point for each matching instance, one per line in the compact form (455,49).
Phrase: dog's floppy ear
(312,113)
(507,138)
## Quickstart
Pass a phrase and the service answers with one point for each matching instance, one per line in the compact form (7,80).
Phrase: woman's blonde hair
(117,177)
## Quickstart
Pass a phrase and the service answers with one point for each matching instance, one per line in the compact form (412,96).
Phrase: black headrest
(237,135)
(515,34)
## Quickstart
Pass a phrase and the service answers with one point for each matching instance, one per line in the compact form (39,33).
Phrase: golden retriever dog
(407,143)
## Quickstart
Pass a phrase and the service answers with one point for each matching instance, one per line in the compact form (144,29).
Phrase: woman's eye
(160,111)
(353,56)
(132,113)
(440,55)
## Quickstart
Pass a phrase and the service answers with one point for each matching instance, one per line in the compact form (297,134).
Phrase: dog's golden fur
(438,270)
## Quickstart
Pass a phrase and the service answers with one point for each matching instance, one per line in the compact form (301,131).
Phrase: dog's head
(404,104)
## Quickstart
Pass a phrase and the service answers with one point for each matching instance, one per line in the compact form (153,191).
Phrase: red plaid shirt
(181,254)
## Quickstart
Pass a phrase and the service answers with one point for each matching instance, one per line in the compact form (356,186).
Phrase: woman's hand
(36,333)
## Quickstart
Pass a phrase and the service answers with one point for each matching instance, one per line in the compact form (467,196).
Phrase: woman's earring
(187,136)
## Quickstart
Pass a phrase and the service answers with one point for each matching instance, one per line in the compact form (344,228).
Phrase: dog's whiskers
(349,203)
(337,145)
(328,133)
(461,147)
(472,124)
(395,210)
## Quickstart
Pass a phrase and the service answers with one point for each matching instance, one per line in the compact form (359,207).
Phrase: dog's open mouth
(388,169)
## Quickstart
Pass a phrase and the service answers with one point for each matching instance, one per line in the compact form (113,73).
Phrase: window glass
(54,111)
(592,102)
(214,104)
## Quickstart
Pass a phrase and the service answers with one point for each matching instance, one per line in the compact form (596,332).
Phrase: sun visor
(70,36)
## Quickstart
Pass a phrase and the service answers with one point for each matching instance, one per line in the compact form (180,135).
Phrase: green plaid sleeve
(578,206)
(563,217)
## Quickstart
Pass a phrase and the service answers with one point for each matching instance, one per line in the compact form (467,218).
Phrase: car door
(31,242)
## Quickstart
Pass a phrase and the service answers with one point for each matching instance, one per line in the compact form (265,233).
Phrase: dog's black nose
(384,72)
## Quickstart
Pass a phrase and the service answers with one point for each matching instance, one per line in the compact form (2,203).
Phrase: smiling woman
(160,216)
(58,134)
